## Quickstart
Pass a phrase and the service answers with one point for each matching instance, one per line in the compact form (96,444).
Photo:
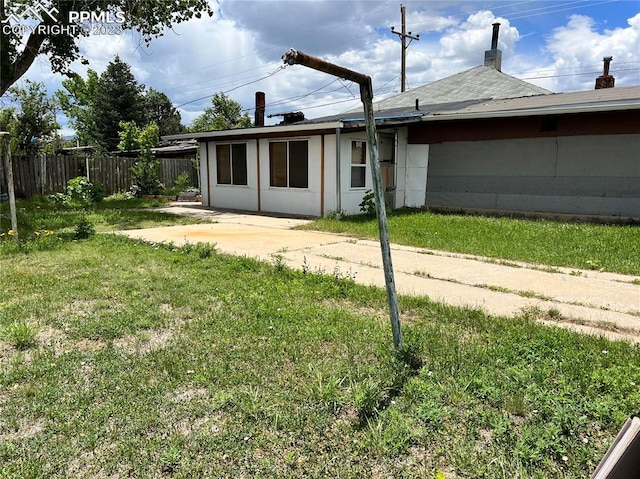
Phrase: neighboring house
(186,149)
(479,139)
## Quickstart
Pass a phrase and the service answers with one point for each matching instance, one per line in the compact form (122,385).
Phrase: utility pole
(403,36)
(295,57)
(9,175)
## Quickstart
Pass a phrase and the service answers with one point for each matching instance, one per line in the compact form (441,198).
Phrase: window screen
(231,164)
(278,164)
(223,164)
(289,164)
(358,164)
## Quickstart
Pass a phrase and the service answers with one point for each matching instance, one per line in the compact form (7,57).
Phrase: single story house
(478,140)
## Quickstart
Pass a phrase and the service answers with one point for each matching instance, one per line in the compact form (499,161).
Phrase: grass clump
(20,335)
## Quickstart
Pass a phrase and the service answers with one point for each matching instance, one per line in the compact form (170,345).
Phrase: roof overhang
(261,132)
(546,110)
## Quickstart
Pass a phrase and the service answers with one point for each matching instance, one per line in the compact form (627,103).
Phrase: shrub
(146,175)
(60,199)
(183,181)
(81,190)
(84,228)
(368,203)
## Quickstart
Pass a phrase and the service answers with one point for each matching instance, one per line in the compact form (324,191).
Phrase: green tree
(76,101)
(129,136)
(8,120)
(223,114)
(146,171)
(85,102)
(117,97)
(158,109)
(18,49)
(33,123)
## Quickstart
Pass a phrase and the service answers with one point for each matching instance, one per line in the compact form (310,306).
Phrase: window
(231,164)
(289,164)
(358,164)
(549,123)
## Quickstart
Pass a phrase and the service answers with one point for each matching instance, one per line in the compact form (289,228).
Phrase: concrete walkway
(588,301)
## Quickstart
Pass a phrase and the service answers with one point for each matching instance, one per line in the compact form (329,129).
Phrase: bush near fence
(45,175)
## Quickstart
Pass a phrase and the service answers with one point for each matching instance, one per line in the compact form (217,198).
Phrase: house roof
(477,83)
(608,99)
(623,98)
(392,115)
(167,149)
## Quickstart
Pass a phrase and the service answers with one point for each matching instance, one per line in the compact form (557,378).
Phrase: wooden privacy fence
(45,175)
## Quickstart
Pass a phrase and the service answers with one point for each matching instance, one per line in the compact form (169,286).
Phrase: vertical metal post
(5,150)
(293,57)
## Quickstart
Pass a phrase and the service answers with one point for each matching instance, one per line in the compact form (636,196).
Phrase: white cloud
(578,46)
(465,44)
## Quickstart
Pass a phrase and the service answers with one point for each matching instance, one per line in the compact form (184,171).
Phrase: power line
(587,4)
(579,74)
(279,69)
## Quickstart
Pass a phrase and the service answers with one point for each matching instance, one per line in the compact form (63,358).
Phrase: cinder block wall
(583,175)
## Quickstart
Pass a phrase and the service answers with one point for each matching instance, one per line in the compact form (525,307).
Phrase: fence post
(4,145)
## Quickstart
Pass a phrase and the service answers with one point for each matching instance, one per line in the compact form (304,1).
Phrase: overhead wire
(279,69)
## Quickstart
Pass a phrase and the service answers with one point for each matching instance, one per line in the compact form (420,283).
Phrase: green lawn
(119,358)
(44,225)
(578,245)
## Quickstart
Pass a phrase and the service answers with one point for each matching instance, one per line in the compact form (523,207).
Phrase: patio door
(387,154)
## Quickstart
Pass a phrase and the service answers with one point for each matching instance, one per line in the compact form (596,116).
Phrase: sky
(556,44)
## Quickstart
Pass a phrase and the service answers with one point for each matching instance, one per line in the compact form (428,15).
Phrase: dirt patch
(150,340)
(86,463)
(188,425)
(189,395)
(89,345)
(81,307)
(52,338)
(26,430)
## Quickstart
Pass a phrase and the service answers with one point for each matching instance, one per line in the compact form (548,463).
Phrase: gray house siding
(583,175)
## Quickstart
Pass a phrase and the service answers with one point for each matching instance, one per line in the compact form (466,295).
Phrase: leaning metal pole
(295,57)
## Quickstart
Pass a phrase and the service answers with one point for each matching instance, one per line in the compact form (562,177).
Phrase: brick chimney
(260,106)
(493,57)
(605,80)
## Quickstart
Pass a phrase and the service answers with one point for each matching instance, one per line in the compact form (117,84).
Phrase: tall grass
(581,245)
